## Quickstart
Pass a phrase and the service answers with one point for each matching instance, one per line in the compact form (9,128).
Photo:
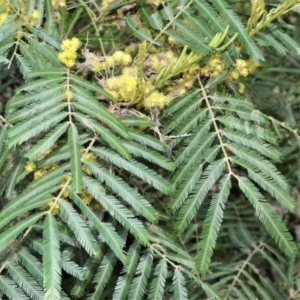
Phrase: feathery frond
(51,259)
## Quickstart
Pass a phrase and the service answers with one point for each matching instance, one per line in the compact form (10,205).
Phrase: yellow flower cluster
(119,58)
(68,55)
(123,87)
(5,12)
(184,83)
(89,157)
(54,207)
(242,68)
(30,166)
(68,95)
(161,60)
(86,197)
(58,3)
(51,205)
(35,15)
(54,146)
(213,67)
(3,17)
(44,169)
(155,99)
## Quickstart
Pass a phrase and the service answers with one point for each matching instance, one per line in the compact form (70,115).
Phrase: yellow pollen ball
(89,156)
(54,207)
(30,166)
(38,174)
(35,15)
(3,17)
(109,60)
(68,58)
(86,197)
(155,99)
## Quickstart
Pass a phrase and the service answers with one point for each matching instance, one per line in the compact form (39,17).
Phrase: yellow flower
(122,87)
(30,166)
(54,207)
(70,44)
(3,17)
(213,67)
(65,193)
(127,59)
(96,205)
(50,166)
(35,15)
(233,75)
(89,156)
(57,15)
(68,58)
(252,65)
(241,89)
(194,69)
(68,55)
(86,197)
(155,99)
(241,67)
(39,173)
(169,55)
(112,82)
(62,3)
(171,40)
(122,58)
(68,95)
(113,93)
(86,170)
(98,66)
(161,60)
(109,60)
(155,63)
(58,3)
(131,71)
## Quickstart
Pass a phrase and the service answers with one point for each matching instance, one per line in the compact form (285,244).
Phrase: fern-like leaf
(212,225)
(25,281)
(79,228)
(51,259)
(268,217)
(190,207)
(125,280)
(10,234)
(120,187)
(179,287)
(32,264)
(103,274)
(157,286)
(49,140)
(76,173)
(107,231)
(141,276)
(10,289)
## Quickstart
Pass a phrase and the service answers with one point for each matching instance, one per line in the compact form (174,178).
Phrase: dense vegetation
(149,149)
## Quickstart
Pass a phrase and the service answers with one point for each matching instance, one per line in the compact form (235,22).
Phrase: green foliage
(144,173)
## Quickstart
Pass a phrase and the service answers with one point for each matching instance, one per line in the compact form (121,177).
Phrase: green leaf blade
(51,259)
(212,225)
(76,173)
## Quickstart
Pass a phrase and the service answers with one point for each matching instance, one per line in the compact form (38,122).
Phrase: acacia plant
(127,139)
